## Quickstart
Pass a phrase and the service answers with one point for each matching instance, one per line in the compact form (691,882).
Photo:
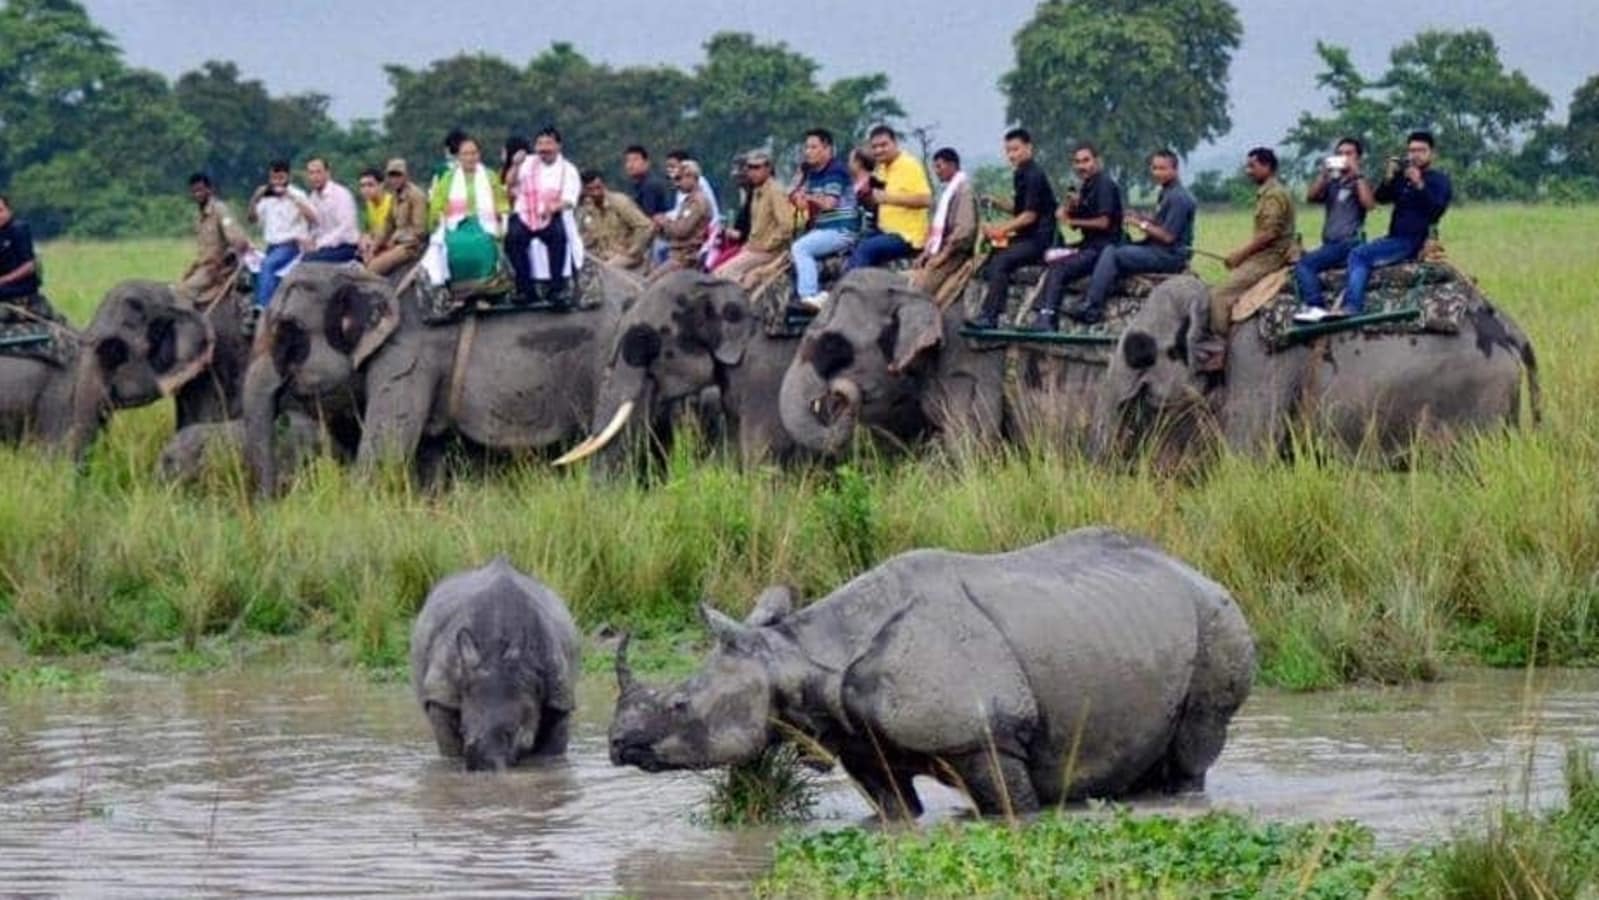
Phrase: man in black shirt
(19,270)
(1094,208)
(649,192)
(1029,230)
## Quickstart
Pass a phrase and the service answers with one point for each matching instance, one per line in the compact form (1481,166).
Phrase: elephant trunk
(623,400)
(263,386)
(91,404)
(820,415)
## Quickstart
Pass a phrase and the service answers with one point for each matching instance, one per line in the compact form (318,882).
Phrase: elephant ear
(917,328)
(1192,326)
(737,325)
(361,315)
(182,342)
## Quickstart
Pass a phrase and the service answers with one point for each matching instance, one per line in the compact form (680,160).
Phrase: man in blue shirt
(1420,195)
(1167,245)
(828,201)
(1348,196)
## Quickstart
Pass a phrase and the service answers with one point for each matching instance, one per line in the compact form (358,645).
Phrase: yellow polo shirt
(904,176)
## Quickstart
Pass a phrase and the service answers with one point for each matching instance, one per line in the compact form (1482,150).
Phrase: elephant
(338,336)
(687,333)
(144,343)
(1362,389)
(185,457)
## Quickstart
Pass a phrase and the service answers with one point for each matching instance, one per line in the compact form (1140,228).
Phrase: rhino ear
(727,630)
(466,644)
(772,606)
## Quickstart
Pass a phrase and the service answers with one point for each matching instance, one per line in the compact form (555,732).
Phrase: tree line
(94,147)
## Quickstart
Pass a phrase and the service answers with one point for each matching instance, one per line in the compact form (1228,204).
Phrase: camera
(1336,163)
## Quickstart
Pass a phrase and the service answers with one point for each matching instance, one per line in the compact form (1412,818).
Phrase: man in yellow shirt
(902,196)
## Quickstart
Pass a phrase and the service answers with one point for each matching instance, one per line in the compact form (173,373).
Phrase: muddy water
(321,783)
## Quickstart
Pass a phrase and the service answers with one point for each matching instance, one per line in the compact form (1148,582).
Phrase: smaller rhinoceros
(494,662)
(1091,665)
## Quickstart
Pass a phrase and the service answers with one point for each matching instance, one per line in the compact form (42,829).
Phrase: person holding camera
(901,195)
(1420,195)
(1347,196)
(285,215)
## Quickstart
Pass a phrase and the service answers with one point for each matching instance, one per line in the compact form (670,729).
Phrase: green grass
(775,788)
(1219,855)
(1489,554)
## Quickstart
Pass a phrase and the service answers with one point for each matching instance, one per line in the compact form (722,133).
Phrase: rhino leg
(446,724)
(554,729)
(888,786)
(1224,669)
(999,784)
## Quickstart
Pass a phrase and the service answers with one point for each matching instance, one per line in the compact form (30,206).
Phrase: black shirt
(16,249)
(1031,191)
(1099,196)
(651,195)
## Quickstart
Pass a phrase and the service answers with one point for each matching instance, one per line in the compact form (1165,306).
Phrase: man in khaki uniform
(771,222)
(953,235)
(614,229)
(398,242)
(1267,251)
(685,230)
(218,239)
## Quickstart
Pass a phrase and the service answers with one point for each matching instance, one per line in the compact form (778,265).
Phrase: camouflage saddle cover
(31,328)
(773,297)
(1407,298)
(1086,343)
(442,305)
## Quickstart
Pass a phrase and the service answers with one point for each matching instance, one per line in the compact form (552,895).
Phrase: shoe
(559,298)
(984,322)
(1085,316)
(1309,315)
(1044,322)
(815,302)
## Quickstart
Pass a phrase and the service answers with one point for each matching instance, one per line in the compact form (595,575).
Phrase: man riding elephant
(218,241)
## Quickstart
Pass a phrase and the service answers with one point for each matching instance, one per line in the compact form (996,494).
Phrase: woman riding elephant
(1356,387)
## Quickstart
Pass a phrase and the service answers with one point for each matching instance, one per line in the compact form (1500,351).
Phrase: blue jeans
(1128,259)
(880,249)
(813,246)
(338,253)
(1307,274)
(266,282)
(1386,251)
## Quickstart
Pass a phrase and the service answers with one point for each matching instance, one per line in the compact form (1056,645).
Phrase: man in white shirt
(544,192)
(283,210)
(335,229)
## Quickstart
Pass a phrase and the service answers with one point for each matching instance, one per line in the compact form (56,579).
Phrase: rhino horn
(624,672)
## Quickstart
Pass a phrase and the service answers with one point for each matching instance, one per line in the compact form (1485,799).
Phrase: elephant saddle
(773,295)
(495,294)
(1093,342)
(30,327)
(1423,296)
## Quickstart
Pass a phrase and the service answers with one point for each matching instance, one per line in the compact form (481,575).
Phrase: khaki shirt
(685,234)
(617,231)
(1274,215)
(216,233)
(960,225)
(407,225)
(771,219)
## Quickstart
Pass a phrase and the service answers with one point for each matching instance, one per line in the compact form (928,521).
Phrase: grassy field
(1487,555)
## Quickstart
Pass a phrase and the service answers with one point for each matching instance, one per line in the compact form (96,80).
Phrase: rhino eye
(680,705)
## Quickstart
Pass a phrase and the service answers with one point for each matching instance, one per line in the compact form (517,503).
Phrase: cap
(396,166)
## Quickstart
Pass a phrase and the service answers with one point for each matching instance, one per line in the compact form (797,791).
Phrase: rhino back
(496,602)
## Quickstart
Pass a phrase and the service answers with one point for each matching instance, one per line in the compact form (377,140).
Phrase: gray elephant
(1090,665)
(685,334)
(494,664)
(1363,389)
(336,337)
(187,455)
(144,343)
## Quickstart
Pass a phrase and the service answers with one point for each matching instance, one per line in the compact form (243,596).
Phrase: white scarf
(483,194)
(935,240)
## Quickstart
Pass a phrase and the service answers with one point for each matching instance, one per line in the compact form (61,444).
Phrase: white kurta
(558,179)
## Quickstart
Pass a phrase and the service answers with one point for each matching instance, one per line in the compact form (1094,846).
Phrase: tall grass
(1487,552)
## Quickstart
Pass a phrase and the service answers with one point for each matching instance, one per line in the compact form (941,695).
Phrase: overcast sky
(944,57)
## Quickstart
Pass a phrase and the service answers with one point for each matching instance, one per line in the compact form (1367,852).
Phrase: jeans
(338,253)
(880,249)
(1307,274)
(1061,274)
(27,287)
(518,238)
(266,281)
(1001,266)
(813,246)
(1129,259)
(1386,251)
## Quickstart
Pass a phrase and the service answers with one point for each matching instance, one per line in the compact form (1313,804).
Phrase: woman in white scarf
(466,191)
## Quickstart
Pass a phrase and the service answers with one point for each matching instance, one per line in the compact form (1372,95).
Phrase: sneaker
(1084,316)
(814,302)
(1044,322)
(984,322)
(1309,315)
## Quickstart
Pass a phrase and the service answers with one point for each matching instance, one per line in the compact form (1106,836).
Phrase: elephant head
(675,340)
(1152,376)
(325,321)
(859,360)
(143,344)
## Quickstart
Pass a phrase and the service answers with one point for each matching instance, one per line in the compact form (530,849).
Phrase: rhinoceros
(494,663)
(1090,665)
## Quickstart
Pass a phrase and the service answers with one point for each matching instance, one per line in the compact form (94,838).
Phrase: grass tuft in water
(776,788)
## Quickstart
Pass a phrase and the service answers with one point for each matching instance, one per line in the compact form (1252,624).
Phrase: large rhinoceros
(1091,665)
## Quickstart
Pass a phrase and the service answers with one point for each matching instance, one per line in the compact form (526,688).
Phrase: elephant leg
(889,789)
(396,414)
(998,783)
(446,724)
(965,412)
(1261,392)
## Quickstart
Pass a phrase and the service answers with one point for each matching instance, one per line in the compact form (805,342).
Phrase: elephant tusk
(597,443)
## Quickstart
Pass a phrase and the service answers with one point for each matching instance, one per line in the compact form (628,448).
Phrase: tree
(54,62)
(1132,76)
(1581,136)
(483,94)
